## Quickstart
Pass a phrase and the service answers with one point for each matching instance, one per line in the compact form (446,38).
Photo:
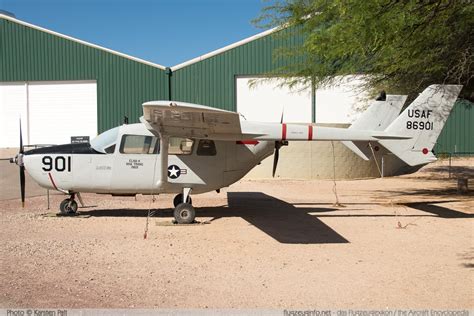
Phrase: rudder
(422,121)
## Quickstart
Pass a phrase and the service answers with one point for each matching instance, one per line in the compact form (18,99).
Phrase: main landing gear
(68,206)
(184,212)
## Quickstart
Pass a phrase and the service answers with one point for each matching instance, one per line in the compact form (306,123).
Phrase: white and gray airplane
(186,148)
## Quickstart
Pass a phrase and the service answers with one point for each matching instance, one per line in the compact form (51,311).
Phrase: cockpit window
(206,147)
(110,149)
(103,143)
(139,144)
(180,146)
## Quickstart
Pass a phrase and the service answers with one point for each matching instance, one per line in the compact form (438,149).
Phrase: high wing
(191,120)
(188,120)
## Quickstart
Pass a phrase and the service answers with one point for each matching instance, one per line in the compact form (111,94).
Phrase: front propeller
(19,161)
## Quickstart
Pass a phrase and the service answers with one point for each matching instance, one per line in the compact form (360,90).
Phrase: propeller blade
(22,169)
(275,162)
(276,155)
(278,145)
(21,140)
(22,185)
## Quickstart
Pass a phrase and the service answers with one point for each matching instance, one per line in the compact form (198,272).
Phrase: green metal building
(33,54)
(457,136)
(210,79)
(30,53)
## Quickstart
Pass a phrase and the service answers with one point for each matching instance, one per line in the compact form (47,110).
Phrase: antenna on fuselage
(125,120)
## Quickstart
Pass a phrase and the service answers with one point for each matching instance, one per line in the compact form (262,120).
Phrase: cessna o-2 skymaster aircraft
(183,148)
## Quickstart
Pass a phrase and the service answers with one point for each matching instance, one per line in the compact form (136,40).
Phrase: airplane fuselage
(130,164)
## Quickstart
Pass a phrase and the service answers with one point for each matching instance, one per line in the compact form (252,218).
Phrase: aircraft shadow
(425,206)
(278,219)
(281,220)
(440,211)
(426,192)
(464,171)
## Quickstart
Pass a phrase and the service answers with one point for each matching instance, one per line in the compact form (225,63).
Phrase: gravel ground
(403,242)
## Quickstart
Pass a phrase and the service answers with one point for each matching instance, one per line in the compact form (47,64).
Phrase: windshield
(105,140)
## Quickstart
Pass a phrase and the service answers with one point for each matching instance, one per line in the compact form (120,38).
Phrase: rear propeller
(276,153)
(19,161)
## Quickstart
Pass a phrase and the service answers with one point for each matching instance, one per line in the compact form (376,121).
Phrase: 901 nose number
(59,163)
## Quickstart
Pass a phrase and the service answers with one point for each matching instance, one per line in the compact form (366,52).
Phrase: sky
(165,32)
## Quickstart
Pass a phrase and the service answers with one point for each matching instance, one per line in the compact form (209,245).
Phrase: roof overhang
(6,17)
(173,68)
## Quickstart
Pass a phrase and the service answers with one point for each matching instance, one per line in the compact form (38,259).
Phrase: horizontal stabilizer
(355,149)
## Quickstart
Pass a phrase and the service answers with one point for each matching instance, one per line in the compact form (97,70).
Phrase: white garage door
(342,102)
(266,102)
(51,112)
(12,108)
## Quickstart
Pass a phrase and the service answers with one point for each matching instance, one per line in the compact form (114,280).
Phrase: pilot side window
(139,144)
(206,147)
(180,146)
(110,149)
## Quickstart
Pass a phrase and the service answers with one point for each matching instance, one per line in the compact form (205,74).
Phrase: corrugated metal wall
(123,85)
(457,135)
(211,81)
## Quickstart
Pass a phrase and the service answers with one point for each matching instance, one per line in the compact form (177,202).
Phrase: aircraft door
(135,164)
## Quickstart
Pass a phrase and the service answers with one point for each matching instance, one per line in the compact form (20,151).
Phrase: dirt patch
(398,242)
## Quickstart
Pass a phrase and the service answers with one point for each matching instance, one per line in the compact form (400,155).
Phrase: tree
(401,45)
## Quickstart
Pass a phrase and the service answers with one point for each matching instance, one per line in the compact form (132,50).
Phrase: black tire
(65,208)
(184,213)
(178,199)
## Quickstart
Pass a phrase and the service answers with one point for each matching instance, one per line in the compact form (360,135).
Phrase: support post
(186,193)
(382,173)
(313,101)
(163,162)
(449,169)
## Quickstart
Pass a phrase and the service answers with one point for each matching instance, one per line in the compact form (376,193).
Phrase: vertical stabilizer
(422,121)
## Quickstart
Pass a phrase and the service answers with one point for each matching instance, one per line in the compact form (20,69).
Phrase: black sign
(79,139)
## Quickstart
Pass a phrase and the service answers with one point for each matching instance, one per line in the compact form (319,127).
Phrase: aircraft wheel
(65,208)
(178,199)
(184,213)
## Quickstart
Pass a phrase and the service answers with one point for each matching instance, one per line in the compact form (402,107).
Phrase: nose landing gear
(68,206)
